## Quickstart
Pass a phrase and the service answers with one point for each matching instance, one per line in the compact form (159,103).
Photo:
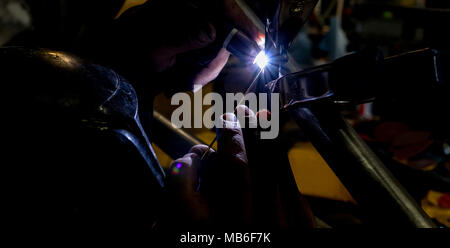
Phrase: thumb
(230,141)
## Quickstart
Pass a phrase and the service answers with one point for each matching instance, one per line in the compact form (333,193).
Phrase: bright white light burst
(261,60)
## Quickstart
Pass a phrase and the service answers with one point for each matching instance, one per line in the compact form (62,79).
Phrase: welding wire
(252,85)
(209,148)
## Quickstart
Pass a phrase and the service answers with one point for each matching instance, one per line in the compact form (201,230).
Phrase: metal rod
(174,141)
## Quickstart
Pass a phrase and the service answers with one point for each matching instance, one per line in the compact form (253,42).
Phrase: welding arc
(252,85)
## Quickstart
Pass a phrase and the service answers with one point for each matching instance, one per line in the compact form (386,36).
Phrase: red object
(347,11)
(263,115)
(386,131)
(365,137)
(444,201)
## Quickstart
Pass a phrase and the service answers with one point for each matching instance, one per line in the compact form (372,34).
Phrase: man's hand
(214,190)
(217,192)
(157,34)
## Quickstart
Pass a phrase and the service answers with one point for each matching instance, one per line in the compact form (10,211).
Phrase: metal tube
(174,141)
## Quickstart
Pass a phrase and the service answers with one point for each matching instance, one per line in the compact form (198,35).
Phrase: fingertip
(230,121)
(199,150)
(246,112)
(181,165)
(243,108)
(264,115)
(175,168)
(229,117)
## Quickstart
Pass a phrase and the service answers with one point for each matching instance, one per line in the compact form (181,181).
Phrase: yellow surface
(163,158)
(129,4)
(431,206)
(313,176)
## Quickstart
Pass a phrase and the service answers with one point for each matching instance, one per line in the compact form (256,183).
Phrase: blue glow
(261,60)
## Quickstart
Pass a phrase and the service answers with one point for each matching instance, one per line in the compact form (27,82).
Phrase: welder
(80,135)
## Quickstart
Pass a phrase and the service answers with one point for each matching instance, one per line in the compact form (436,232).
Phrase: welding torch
(241,46)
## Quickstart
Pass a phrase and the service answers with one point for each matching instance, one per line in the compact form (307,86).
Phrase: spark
(261,60)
